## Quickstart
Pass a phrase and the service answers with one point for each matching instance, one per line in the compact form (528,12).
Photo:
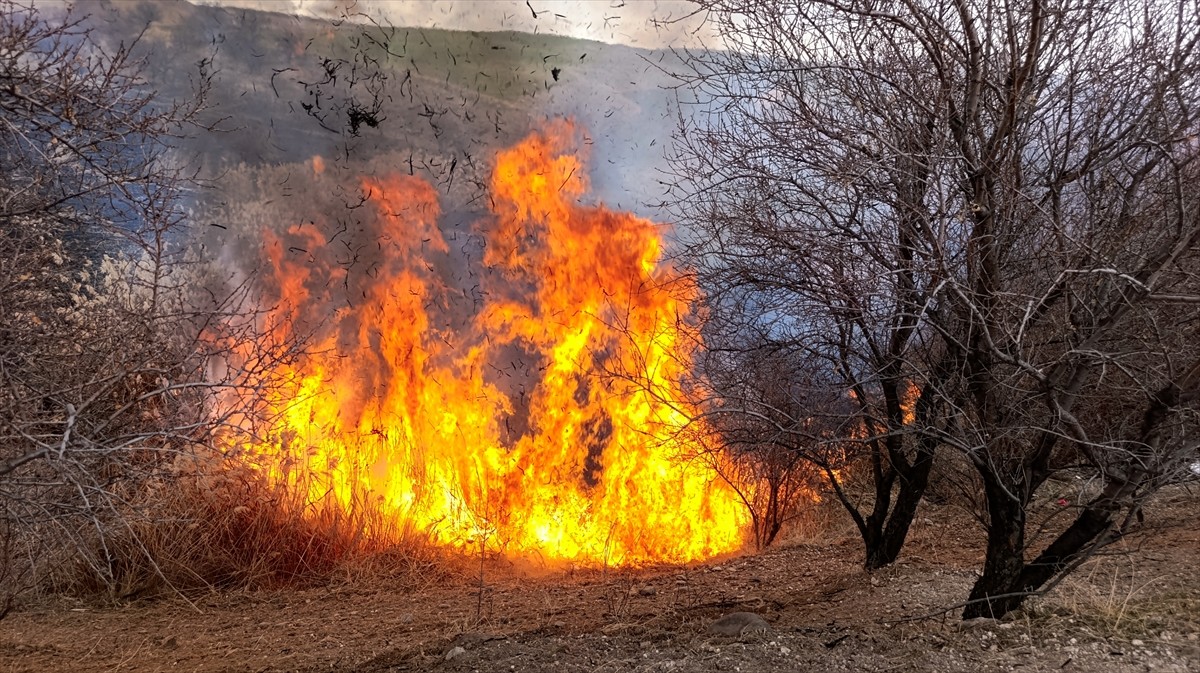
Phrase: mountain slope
(288,88)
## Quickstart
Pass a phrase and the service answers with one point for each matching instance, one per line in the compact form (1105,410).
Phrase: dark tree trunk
(993,593)
(773,520)
(1092,523)
(912,491)
(1010,581)
(872,537)
(885,547)
(1007,581)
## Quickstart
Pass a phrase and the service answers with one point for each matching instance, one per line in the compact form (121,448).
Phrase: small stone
(1135,642)
(647,591)
(170,643)
(740,624)
(456,651)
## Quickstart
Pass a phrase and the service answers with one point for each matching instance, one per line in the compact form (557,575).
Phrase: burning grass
(515,389)
(519,390)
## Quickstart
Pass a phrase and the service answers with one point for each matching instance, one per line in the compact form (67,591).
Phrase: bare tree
(804,232)
(988,202)
(762,407)
(104,346)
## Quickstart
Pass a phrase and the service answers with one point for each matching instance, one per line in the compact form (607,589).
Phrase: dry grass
(232,530)
(1122,595)
(817,522)
(1119,612)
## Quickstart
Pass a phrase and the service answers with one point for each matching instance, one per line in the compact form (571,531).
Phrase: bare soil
(1135,609)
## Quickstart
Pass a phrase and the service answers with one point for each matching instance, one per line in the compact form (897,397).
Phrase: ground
(1135,609)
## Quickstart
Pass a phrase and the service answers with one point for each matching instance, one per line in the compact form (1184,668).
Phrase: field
(1129,611)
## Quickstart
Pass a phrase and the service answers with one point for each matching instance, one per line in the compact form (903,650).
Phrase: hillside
(288,88)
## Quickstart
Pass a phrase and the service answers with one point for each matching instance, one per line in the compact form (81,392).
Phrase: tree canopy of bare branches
(102,366)
(981,219)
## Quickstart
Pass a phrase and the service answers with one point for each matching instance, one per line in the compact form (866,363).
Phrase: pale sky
(641,23)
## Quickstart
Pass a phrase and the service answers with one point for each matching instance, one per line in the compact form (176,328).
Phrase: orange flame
(547,420)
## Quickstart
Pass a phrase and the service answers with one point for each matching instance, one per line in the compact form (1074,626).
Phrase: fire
(908,402)
(523,394)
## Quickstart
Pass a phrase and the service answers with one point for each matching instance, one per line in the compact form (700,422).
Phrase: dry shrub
(953,481)
(816,519)
(225,527)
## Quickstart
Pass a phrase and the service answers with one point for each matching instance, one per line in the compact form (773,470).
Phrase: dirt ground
(1136,609)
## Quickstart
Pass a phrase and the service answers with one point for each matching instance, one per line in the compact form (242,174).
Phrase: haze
(651,25)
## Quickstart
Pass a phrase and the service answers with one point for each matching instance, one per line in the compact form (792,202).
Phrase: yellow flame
(398,410)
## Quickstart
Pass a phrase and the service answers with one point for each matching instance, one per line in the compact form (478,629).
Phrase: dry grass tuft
(1112,601)
(200,532)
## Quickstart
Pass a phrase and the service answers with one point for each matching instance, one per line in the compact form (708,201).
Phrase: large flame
(545,419)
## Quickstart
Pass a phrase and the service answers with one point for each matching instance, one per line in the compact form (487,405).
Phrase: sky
(649,24)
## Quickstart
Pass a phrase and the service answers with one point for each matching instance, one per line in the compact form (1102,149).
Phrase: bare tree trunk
(1007,580)
(992,595)
(912,492)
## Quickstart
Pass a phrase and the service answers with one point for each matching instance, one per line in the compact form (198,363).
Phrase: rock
(740,624)
(455,652)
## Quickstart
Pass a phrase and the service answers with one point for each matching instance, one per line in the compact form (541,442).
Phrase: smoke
(446,103)
(637,23)
(479,91)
